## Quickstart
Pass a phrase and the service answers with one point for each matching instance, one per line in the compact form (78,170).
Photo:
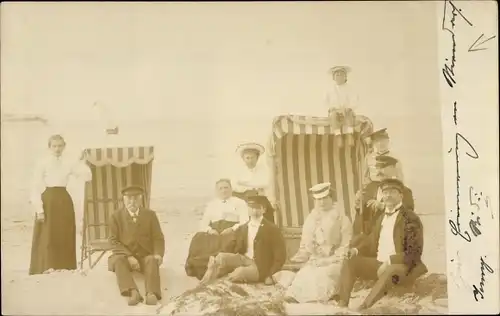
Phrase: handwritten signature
(480,291)
(476,199)
(472,153)
(448,24)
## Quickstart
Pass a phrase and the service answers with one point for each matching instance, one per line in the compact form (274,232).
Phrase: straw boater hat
(320,190)
(334,69)
(250,146)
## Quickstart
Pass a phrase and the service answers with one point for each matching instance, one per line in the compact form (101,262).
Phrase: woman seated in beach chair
(222,217)
(325,238)
(253,179)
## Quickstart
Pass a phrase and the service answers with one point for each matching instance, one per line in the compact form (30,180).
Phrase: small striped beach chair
(113,168)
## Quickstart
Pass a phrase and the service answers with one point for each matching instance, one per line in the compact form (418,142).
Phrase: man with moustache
(397,242)
(138,245)
(259,250)
(371,195)
(380,143)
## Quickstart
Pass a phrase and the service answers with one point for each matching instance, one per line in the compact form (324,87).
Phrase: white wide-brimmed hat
(320,190)
(334,69)
(250,146)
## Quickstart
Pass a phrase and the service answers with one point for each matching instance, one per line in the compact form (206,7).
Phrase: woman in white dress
(253,178)
(325,239)
(54,234)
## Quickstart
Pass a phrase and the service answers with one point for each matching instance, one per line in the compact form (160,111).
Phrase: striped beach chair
(303,153)
(112,169)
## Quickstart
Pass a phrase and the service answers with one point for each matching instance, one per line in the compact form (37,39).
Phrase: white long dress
(325,236)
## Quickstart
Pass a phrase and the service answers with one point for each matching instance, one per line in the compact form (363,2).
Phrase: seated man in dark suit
(138,245)
(369,200)
(259,250)
(397,241)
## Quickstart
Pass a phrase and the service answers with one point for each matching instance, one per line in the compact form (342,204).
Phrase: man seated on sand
(138,245)
(396,240)
(223,215)
(259,250)
(369,200)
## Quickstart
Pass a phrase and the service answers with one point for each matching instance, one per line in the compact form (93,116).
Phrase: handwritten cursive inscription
(480,291)
(450,14)
(478,200)
(472,153)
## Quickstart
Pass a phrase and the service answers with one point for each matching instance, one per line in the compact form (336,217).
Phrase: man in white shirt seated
(397,242)
(223,216)
(259,250)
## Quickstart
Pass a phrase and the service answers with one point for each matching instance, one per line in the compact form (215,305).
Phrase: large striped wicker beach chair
(303,153)
(112,169)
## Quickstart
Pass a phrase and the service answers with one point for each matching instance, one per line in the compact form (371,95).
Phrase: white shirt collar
(255,222)
(225,200)
(390,212)
(136,212)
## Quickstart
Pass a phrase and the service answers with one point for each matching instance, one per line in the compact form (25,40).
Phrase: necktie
(134,216)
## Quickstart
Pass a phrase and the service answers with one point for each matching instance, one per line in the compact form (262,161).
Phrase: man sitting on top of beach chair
(138,245)
(259,250)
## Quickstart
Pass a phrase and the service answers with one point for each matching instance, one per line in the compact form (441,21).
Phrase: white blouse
(249,179)
(341,97)
(232,210)
(54,171)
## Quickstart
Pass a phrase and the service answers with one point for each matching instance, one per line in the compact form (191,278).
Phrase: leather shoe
(151,299)
(134,298)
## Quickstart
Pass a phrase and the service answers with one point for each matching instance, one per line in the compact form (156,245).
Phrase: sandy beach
(95,292)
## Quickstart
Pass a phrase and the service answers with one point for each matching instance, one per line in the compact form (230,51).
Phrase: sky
(230,67)
(155,61)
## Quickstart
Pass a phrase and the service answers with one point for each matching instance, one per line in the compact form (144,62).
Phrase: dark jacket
(138,239)
(408,239)
(269,248)
(364,222)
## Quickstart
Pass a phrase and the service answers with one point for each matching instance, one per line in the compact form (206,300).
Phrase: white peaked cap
(320,190)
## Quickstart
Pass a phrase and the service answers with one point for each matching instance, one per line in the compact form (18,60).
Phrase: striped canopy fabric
(305,153)
(120,156)
(112,170)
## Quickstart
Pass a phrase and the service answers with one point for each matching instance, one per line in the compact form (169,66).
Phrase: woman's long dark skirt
(54,238)
(203,246)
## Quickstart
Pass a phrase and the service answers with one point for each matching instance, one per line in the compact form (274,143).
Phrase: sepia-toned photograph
(225,158)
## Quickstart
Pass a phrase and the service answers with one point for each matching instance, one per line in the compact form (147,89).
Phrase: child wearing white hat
(341,102)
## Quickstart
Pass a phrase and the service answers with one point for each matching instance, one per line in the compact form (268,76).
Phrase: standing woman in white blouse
(252,178)
(54,234)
